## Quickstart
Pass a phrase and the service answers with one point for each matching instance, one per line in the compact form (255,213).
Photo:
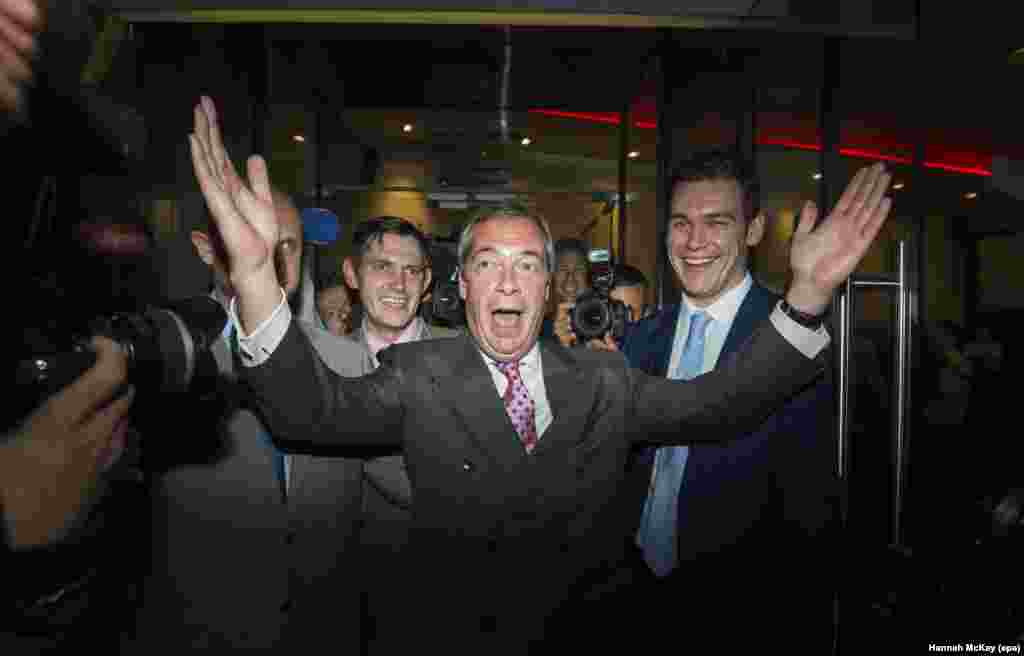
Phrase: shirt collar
(724,309)
(530,361)
(411,333)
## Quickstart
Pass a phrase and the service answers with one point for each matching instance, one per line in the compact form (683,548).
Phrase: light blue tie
(657,535)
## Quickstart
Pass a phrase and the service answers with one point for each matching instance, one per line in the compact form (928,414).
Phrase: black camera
(445,307)
(168,353)
(595,313)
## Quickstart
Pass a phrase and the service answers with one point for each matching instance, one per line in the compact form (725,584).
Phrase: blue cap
(320,226)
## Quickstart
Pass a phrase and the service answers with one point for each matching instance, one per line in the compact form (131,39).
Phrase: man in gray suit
(250,548)
(390,270)
(516,449)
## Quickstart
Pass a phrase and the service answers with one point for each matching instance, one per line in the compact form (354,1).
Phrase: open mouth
(699,261)
(507,318)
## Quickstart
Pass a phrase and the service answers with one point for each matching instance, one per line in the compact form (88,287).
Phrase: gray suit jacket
(387,480)
(504,541)
(233,565)
(384,534)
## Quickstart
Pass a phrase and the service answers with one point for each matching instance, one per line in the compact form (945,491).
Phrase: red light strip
(613,119)
(869,154)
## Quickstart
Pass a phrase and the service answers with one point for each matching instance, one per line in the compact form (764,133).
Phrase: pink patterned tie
(519,405)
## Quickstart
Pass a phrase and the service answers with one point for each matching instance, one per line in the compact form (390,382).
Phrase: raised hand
(822,257)
(244,216)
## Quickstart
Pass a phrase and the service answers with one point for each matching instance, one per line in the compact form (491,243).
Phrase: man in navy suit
(752,519)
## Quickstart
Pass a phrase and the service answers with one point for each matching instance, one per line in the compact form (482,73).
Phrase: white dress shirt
(531,369)
(722,312)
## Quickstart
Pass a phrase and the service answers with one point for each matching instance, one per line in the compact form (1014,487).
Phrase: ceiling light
(633,154)
(971,195)
(526,141)
(299,138)
(816,176)
(897,186)
(407,127)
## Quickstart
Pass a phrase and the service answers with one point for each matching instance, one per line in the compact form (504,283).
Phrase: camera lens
(591,317)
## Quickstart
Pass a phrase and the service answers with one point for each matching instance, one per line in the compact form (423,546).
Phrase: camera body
(596,313)
(445,306)
(168,351)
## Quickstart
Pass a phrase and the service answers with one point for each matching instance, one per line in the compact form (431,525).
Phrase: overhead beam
(515,18)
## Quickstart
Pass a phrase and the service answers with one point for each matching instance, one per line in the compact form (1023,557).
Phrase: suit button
(467,466)
(286,606)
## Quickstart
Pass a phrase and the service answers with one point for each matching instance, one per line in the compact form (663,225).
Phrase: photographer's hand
(50,466)
(244,216)
(563,324)
(20,21)
(607,343)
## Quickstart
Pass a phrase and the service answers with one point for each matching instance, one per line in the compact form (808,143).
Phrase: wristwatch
(809,321)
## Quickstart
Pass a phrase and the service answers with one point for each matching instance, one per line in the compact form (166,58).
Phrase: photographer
(53,468)
(602,313)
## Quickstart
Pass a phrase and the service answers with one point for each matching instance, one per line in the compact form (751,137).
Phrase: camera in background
(595,313)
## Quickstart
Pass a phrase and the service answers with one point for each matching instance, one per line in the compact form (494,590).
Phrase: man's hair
(722,165)
(509,209)
(577,246)
(373,230)
(629,276)
(206,223)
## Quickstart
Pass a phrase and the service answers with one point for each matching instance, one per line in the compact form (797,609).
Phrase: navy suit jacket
(759,512)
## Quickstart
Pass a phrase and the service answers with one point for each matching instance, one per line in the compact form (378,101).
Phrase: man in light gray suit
(390,269)
(250,547)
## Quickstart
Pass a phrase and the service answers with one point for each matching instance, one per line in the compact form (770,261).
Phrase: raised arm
(244,216)
(311,409)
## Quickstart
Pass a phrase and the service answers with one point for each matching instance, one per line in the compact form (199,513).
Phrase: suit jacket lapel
(474,400)
(662,340)
(752,311)
(569,396)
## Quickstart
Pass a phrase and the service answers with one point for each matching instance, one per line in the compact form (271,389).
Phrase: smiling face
(335,309)
(709,238)
(571,276)
(505,285)
(391,278)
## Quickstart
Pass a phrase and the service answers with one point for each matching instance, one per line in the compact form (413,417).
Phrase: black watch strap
(810,321)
